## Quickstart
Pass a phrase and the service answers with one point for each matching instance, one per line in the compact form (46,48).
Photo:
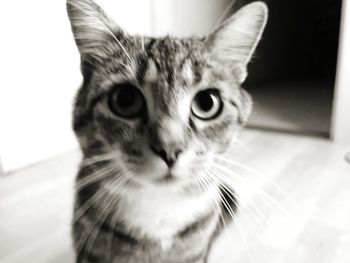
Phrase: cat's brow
(187,73)
(151,72)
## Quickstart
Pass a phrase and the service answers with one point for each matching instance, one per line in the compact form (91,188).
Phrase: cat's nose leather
(167,139)
(169,156)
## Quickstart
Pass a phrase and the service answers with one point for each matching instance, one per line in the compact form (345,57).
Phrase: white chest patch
(160,213)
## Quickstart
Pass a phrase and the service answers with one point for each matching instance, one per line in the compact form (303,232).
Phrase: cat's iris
(126,101)
(207,105)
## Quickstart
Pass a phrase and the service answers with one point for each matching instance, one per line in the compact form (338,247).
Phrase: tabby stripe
(197,72)
(142,68)
(240,118)
(195,226)
(81,120)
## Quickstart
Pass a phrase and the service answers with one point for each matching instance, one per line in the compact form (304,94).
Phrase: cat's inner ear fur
(235,41)
(94,32)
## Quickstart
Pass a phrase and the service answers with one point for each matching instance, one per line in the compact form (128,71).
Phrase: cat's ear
(235,41)
(94,32)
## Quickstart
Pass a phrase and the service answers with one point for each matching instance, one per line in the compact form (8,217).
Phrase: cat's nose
(169,156)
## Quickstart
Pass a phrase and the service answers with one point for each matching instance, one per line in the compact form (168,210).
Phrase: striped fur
(128,209)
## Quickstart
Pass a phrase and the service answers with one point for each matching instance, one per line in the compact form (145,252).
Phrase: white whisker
(118,42)
(254,172)
(113,224)
(96,176)
(99,158)
(86,235)
(261,191)
(143,43)
(236,200)
(91,201)
(89,236)
(93,233)
(214,202)
(267,197)
(239,226)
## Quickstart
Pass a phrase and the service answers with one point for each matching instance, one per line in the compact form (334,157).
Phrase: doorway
(292,77)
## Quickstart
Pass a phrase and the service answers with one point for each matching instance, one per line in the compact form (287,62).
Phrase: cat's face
(162,108)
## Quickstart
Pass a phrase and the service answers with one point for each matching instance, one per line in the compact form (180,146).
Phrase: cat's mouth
(169,177)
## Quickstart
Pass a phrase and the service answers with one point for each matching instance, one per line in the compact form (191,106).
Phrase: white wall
(189,17)
(39,75)
(341,116)
(135,16)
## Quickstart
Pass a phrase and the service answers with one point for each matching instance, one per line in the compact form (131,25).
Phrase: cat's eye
(126,101)
(207,105)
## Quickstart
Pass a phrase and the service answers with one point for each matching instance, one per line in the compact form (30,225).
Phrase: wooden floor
(295,205)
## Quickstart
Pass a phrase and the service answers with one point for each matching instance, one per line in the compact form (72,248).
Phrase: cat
(152,116)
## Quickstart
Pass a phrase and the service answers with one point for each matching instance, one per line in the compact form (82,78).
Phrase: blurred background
(299,79)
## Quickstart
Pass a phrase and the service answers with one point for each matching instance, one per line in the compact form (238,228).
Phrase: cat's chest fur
(160,214)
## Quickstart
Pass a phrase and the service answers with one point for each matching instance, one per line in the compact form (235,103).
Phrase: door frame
(340,131)
(1,170)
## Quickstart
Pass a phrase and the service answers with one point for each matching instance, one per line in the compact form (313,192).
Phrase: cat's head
(162,107)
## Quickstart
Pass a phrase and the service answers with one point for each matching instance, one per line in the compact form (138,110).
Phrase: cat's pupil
(126,98)
(126,101)
(205,101)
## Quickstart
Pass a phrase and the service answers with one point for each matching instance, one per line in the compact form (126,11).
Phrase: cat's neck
(160,214)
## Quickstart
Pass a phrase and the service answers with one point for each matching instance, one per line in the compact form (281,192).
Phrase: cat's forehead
(174,61)
(171,52)
(160,63)
(159,57)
